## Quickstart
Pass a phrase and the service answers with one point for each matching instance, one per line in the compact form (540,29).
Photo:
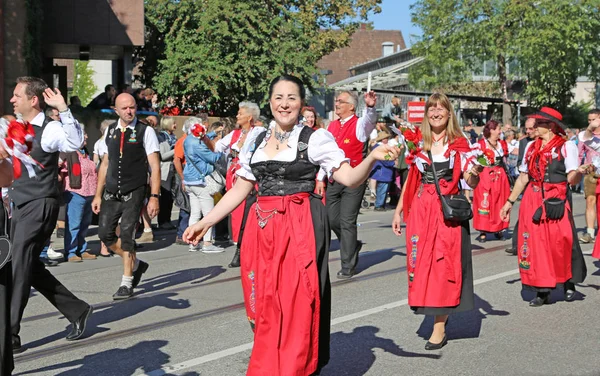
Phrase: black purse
(456,208)
(555,208)
(5,243)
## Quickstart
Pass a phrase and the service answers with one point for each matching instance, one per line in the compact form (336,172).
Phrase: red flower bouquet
(198,130)
(17,138)
(486,157)
(412,136)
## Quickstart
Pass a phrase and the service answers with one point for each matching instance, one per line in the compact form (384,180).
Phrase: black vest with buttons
(127,171)
(277,178)
(45,183)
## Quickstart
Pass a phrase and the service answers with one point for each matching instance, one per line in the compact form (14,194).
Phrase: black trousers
(31,227)
(6,354)
(165,204)
(343,204)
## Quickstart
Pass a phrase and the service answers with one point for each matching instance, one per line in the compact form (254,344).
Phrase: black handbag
(555,208)
(456,208)
(5,243)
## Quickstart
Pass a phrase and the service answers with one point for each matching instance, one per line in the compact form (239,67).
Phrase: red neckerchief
(537,157)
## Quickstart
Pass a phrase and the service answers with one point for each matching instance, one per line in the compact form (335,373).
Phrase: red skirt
(545,248)
(488,198)
(280,281)
(238,213)
(596,252)
(437,276)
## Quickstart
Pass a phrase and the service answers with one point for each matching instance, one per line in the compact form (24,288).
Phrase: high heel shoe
(436,346)
(539,301)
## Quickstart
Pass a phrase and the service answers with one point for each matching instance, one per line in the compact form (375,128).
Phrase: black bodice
(556,171)
(443,172)
(277,178)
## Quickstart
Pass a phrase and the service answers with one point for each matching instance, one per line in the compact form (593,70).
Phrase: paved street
(187,318)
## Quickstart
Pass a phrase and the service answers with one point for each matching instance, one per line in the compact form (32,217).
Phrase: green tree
(218,52)
(83,83)
(548,43)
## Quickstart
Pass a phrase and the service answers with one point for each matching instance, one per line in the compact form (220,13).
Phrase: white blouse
(323,151)
(569,150)
(465,160)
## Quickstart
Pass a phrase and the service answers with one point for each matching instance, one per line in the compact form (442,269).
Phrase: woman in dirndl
(284,271)
(439,268)
(493,189)
(548,251)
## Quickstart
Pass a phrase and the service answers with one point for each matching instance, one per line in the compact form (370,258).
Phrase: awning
(383,78)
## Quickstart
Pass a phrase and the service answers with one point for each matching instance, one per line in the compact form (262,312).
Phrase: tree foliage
(218,52)
(83,82)
(549,42)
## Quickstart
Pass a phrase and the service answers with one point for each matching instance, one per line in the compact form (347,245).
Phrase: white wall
(102,75)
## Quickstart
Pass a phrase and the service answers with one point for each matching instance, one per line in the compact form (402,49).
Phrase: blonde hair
(453,130)
(166,123)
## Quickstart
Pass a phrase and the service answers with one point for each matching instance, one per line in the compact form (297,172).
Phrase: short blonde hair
(166,123)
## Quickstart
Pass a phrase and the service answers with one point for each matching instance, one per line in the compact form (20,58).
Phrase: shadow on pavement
(377,257)
(145,355)
(118,312)
(194,275)
(463,324)
(352,353)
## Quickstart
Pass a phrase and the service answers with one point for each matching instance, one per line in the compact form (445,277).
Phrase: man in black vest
(122,181)
(36,205)
(531,134)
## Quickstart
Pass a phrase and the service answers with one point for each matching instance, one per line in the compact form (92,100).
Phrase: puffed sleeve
(523,168)
(246,154)
(324,151)
(571,154)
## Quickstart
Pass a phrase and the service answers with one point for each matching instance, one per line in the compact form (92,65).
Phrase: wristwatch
(154,195)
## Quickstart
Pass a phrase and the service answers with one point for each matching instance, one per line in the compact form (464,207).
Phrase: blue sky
(395,15)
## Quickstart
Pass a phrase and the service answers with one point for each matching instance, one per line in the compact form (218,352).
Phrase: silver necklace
(281,137)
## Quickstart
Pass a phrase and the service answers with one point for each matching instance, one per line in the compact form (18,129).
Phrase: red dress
(547,254)
(491,193)
(284,269)
(440,275)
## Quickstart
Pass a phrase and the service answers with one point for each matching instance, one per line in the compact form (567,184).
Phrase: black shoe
(137,275)
(540,300)
(481,238)
(235,261)
(123,293)
(570,291)
(499,235)
(345,274)
(436,346)
(48,262)
(60,232)
(511,251)
(80,324)
(16,345)
(379,209)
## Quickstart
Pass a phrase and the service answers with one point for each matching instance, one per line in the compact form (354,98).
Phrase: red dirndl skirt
(544,248)
(488,198)
(238,213)
(440,273)
(280,281)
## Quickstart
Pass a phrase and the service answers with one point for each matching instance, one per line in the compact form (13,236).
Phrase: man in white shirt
(343,203)
(35,201)
(589,147)
(131,147)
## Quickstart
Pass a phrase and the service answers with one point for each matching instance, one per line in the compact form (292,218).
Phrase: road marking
(248,346)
